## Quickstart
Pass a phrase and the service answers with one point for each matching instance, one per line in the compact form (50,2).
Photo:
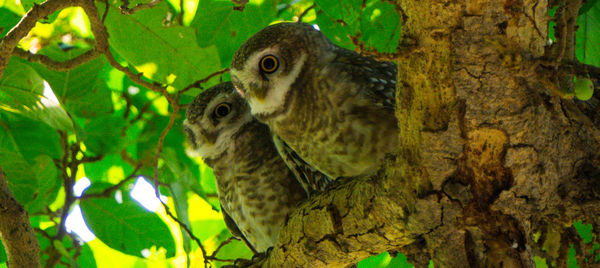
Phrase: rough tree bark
(22,247)
(494,167)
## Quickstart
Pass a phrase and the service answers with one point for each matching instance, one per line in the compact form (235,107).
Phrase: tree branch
(351,221)
(108,191)
(22,247)
(57,65)
(126,10)
(12,38)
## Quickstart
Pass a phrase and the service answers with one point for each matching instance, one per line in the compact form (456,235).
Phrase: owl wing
(377,79)
(310,178)
(235,231)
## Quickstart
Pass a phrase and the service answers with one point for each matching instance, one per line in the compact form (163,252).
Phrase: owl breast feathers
(256,189)
(331,106)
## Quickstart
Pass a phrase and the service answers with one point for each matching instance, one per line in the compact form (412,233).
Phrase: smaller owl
(332,106)
(256,188)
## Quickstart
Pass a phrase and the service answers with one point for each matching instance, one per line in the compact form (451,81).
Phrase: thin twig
(108,191)
(69,166)
(106,6)
(241,4)
(202,81)
(306,12)
(213,256)
(58,65)
(90,159)
(129,11)
(12,38)
(406,47)
(182,12)
(185,228)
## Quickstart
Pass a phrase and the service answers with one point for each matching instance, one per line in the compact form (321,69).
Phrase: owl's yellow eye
(222,110)
(269,64)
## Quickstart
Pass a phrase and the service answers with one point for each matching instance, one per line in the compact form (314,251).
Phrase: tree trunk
(21,246)
(495,167)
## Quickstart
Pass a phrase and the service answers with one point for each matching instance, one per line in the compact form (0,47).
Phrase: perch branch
(349,222)
(21,245)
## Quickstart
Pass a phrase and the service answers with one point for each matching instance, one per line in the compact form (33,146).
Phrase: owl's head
(266,68)
(213,118)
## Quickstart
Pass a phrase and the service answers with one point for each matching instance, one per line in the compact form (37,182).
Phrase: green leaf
(28,4)
(376,23)
(216,22)
(86,257)
(179,194)
(587,39)
(82,89)
(34,138)
(584,88)
(161,53)
(336,31)
(21,179)
(400,261)
(572,258)
(182,170)
(381,260)
(204,229)
(207,179)
(104,135)
(48,182)
(540,262)
(126,226)
(234,250)
(21,91)
(8,19)
(34,185)
(584,231)
(105,169)
(150,135)
(2,253)
(587,6)
(347,11)
(380,26)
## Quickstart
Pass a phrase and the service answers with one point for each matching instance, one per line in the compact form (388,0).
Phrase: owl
(256,188)
(330,105)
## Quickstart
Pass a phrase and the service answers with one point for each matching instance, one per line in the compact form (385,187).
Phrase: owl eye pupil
(269,64)
(222,110)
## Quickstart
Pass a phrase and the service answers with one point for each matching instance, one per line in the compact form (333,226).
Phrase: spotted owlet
(332,106)
(256,188)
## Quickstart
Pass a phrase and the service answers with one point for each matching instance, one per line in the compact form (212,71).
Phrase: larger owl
(332,106)
(256,189)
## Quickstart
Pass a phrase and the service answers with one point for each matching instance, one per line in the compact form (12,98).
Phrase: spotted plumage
(332,106)
(256,189)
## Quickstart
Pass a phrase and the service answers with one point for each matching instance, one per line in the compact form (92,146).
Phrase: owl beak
(240,91)
(258,93)
(197,135)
